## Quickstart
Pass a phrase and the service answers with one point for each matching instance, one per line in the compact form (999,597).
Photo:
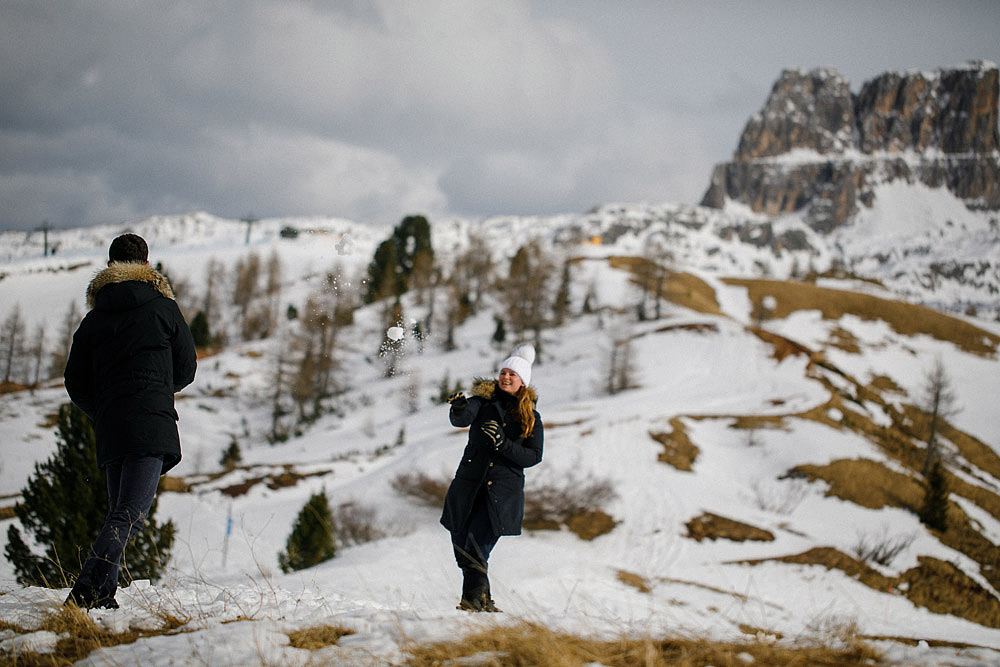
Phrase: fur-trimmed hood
(121,272)
(487,388)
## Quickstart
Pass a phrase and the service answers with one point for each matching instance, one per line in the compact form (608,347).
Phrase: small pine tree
(500,333)
(232,456)
(200,332)
(311,541)
(934,512)
(63,507)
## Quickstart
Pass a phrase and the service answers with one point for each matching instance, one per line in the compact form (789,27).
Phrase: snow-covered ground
(403,588)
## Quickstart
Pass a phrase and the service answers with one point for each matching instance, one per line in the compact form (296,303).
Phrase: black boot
(88,598)
(476,590)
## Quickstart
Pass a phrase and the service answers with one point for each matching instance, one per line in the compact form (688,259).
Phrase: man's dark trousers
(132,484)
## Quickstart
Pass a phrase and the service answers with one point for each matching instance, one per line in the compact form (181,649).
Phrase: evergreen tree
(405,255)
(500,332)
(311,541)
(63,508)
(199,330)
(383,273)
(934,512)
(232,456)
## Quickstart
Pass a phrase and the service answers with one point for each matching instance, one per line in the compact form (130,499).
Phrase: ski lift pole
(229,530)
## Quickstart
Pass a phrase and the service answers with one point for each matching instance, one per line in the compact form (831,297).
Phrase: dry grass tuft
(173,484)
(590,524)
(313,639)
(904,318)
(634,580)
(678,450)
(710,526)
(422,487)
(81,637)
(531,644)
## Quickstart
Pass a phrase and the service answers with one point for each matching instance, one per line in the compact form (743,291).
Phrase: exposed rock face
(816,146)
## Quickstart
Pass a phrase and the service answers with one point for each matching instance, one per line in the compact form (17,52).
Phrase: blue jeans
(131,487)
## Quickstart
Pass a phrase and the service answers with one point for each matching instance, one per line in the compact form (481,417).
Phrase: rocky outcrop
(817,148)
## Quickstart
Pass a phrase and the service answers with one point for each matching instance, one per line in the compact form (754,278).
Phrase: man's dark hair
(128,248)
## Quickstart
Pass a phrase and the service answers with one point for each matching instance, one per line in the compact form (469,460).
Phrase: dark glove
(458,401)
(494,433)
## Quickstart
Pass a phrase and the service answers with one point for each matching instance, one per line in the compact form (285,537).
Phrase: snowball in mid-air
(394,333)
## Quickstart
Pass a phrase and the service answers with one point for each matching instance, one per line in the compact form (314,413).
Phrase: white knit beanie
(520,361)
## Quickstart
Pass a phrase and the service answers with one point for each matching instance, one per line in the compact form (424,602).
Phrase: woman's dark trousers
(472,550)
(131,487)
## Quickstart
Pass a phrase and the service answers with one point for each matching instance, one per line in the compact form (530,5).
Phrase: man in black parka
(129,356)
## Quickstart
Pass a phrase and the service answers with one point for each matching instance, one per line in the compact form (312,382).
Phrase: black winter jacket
(502,470)
(130,354)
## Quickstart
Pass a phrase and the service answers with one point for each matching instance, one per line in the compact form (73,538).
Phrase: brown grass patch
(313,639)
(82,637)
(870,484)
(944,589)
(754,422)
(865,482)
(754,631)
(286,478)
(174,484)
(710,526)
(532,644)
(884,384)
(832,559)
(696,327)
(904,318)
(574,503)
(634,580)
(682,289)
(590,524)
(12,387)
(783,347)
(7,512)
(842,339)
(678,450)
(934,584)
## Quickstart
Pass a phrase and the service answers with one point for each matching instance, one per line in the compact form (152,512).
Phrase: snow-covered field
(403,588)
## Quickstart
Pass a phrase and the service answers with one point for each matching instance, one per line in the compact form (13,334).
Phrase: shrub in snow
(882,549)
(934,511)
(64,505)
(312,540)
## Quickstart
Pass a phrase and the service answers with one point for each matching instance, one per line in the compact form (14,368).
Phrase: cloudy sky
(112,110)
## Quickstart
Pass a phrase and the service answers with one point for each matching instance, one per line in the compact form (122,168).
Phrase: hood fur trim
(486,388)
(123,272)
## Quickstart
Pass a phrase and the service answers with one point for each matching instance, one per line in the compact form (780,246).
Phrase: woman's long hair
(526,398)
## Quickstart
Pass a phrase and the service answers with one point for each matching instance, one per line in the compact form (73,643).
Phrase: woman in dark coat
(486,498)
(130,354)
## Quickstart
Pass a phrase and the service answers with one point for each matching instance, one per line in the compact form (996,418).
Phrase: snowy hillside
(737,423)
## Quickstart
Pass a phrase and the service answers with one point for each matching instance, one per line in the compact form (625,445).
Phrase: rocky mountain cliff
(819,149)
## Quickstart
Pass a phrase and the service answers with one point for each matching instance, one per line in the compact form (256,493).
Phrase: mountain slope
(769,403)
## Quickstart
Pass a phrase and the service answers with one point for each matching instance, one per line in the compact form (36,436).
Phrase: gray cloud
(372,110)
